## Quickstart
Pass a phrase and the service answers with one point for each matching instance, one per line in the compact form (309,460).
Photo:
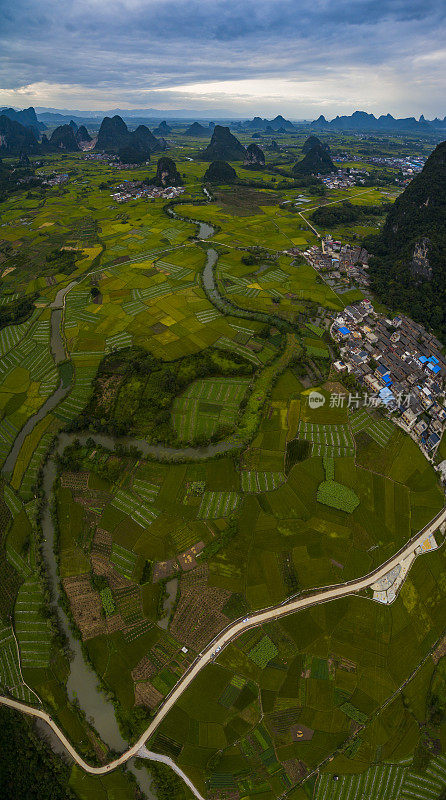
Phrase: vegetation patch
(144,398)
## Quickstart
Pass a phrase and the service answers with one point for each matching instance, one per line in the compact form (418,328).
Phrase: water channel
(82,684)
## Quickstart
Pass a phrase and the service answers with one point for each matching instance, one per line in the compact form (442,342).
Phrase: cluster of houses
(399,364)
(56,180)
(135,190)
(113,160)
(409,165)
(108,157)
(345,179)
(339,263)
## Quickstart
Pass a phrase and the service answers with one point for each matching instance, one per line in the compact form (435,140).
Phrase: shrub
(336,495)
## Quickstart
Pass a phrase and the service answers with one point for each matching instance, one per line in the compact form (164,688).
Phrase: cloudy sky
(297,57)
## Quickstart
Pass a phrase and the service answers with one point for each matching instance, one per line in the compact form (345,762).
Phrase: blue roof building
(433,440)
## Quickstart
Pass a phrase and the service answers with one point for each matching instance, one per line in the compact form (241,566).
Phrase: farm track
(332,203)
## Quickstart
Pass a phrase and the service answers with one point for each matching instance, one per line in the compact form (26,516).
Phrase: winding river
(82,684)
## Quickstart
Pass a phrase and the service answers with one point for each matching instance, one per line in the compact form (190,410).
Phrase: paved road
(144,753)
(228,635)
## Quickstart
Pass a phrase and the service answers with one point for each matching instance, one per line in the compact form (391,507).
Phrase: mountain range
(361,122)
(277,124)
(44,113)
(113,137)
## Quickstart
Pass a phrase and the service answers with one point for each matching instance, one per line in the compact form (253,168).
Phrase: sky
(300,58)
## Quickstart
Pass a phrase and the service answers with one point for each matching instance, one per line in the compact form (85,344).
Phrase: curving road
(235,629)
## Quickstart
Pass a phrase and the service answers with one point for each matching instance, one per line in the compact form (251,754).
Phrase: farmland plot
(10,676)
(32,629)
(426,786)
(379,429)
(257,482)
(9,665)
(12,334)
(377,783)
(139,512)
(216,505)
(206,405)
(29,477)
(77,398)
(12,501)
(8,432)
(123,559)
(327,440)
(263,652)
(147,491)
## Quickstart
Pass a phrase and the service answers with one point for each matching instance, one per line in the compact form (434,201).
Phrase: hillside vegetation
(409,268)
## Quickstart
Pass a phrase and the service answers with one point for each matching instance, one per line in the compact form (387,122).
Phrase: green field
(157,553)
(311,673)
(32,629)
(207,406)
(327,440)
(10,675)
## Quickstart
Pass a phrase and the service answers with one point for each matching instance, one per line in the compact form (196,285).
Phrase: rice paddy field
(206,406)
(156,556)
(240,536)
(311,690)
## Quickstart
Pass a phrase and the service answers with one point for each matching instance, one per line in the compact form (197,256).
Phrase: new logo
(316,399)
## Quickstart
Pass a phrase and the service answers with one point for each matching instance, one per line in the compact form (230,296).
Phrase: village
(341,265)
(135,190)
(407,165)
(345,179)
(400,366)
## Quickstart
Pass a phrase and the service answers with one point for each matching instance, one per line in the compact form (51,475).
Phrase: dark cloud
(135,45)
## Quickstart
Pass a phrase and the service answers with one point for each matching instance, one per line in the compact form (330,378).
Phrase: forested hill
(28,769)
(409,266)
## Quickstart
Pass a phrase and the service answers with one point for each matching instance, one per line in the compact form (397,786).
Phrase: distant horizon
(203,114)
